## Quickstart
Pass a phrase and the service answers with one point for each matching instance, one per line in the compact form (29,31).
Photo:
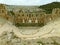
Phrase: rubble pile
(9,38)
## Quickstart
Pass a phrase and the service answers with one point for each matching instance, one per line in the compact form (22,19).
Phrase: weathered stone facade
(30,18)
(21,17)
(3,11)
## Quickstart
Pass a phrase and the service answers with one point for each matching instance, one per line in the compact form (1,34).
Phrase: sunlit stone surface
(47,35)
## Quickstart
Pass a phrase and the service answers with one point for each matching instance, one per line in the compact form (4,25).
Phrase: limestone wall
(29,17)
(3,11)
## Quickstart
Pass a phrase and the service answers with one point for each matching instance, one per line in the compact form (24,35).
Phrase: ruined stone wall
(3,11)
(30,17)
(56,13)
(25,17)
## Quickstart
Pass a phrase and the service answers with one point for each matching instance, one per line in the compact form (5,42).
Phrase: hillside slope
(50,6)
